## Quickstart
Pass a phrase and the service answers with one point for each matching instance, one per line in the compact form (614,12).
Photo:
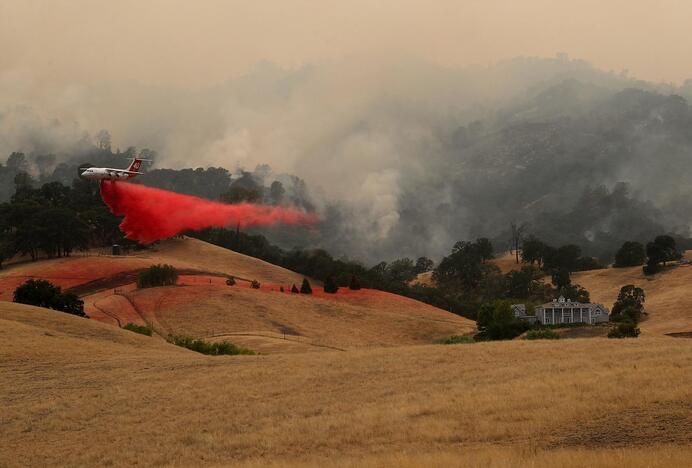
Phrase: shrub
(157,275)
(205,347)
(354,285)
(305,288)
(330,285)
(294,289)
(230,281)
(255,284)
(142,330)
(496,321)
(624,330)
(541,334)
(42,293)
(458,339)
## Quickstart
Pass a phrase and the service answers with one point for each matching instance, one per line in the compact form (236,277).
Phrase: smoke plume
(152,214)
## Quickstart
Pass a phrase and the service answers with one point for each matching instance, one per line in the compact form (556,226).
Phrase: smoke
(152,214)
(401,157)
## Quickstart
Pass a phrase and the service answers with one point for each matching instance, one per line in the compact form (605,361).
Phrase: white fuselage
(105,173)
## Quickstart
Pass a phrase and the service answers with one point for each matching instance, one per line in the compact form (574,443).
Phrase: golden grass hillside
(185,253)
(78,393)
(349,319)
(262,319)
(668,294)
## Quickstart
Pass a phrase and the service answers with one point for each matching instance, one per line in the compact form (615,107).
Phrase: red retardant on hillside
(152,214)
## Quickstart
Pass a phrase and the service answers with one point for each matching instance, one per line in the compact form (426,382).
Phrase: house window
(567,316)
(557,315)
(548,316)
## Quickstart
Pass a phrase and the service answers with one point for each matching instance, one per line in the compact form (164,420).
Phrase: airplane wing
(122,171)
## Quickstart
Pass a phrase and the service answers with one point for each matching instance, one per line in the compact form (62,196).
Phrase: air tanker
(106,173)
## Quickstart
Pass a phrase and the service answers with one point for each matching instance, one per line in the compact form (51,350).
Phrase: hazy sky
(196,43)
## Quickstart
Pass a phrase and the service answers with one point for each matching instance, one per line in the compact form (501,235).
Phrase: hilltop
(668,299)
(264,319)
(78,392)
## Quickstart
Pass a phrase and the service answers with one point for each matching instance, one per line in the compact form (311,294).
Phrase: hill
(77,392)
(185,254)
(203,306)
(668,299)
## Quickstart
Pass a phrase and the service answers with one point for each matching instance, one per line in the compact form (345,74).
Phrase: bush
(305,288)
(330,285)
(42,293)
(157,275)
(354,285)
(255,284)
(541,334)
(142,330)
(230,281)
(204,347)
(496,321)
(294,290)
(624,330)
(458,339)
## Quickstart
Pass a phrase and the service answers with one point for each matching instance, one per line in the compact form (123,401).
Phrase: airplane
(106,173)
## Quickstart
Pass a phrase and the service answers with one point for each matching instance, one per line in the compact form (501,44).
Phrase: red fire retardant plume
(152,214)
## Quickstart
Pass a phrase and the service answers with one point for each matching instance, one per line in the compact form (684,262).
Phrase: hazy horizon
(381,107)
(190,45)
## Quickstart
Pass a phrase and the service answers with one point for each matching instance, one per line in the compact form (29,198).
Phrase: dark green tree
(521,284)
(354,284)
(401,270)
(305,288)
(423,265)
(561,278)
(277,192)
(157,275)
(42,293)
(656,255)
(496,321)
(330,285)
(485,249)
(668,247)
(534,251)
(629,305)
(575,292)
(564,258)
(630,254)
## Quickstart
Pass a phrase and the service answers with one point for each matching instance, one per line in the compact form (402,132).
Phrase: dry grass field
(668,294)
(77,392)
(187,253)
(264,320)
(349,319)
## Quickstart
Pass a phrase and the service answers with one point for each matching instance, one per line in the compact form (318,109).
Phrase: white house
(563,310)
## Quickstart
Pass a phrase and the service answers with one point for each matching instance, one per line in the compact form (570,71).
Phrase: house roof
(562,302)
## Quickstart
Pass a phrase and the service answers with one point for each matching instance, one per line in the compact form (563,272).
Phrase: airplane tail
(136,164)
